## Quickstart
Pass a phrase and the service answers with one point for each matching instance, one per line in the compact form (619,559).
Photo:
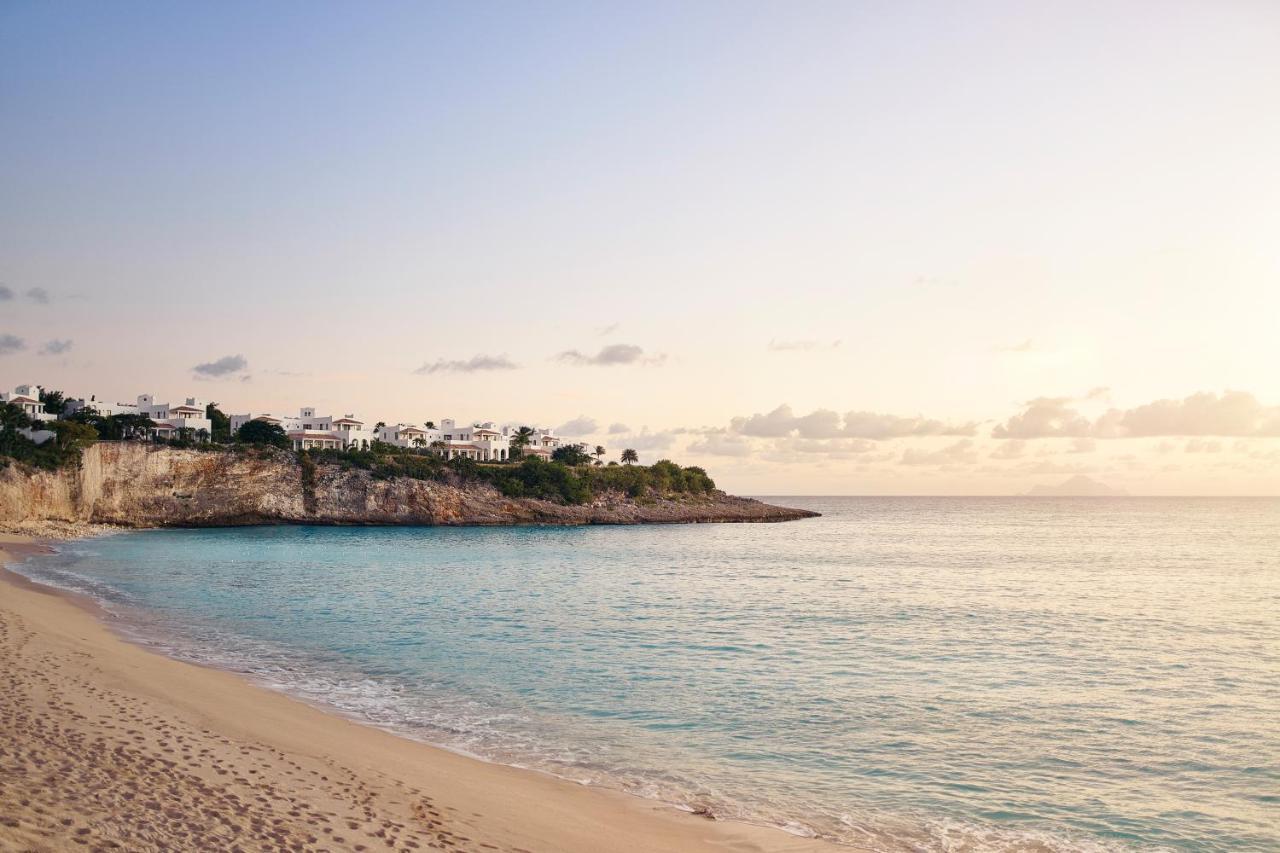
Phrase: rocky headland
(134,485)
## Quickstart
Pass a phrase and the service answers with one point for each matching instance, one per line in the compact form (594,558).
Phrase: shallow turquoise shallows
(917,672)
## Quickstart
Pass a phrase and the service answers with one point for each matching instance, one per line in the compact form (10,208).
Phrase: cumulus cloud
(825,423)
(721,444)
(605,331)
(618,429)
(224,366)
(581,425)
(55,347)
(1234,413)
(646,440)
(6,293)
(614,355)
(802,345)
(1014,448)
(1045,417)
(11,343)
(960,453)
(38,294)
(475,364)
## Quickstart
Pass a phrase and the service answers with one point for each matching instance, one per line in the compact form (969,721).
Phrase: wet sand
(107,746)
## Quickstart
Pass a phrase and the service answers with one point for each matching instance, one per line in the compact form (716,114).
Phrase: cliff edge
(136,485)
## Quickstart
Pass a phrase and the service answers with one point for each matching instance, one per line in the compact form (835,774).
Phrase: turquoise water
(921,673)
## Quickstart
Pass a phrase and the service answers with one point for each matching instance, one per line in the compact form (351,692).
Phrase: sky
(817,248)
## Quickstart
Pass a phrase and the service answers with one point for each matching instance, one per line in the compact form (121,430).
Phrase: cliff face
(135,485)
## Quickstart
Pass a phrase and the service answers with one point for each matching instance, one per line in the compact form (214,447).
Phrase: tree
(599,453)
(72,437)
(438,445)
(13,418)
(419,441)
(430,424)
(133,426)
(263,432)
(571,454)
(202,435)
(379,425)
(629,456)
(220,422)
(521,439)
(54,402)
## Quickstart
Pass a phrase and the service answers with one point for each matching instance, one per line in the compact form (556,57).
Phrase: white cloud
(825,423)
(475,364)
(224,366)
(11,343)
(614,355)
(579,426)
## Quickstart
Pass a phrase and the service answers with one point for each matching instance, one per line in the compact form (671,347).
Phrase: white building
(27,398)
(483,442)
(170,420)
(309,431)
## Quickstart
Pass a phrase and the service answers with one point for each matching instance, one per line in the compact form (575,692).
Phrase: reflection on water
(918,673)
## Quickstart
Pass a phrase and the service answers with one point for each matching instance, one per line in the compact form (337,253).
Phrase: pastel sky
(833,248)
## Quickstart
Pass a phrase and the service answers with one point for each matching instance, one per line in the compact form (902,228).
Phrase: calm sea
(917,673)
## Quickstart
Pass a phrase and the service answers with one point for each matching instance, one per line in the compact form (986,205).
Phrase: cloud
(611,356)
(10,344)
(474,364)
(1014,448)
(1200,445)
(618,429)
(605,331)
(38,294)
(1045,417)
(581,425)
(224,366)
(825,423)
(960,453)
(646,440)
(1083,445)
(1234,413)
(1025,346)
(6,293)
(801,345)
(55,347)
(721,444)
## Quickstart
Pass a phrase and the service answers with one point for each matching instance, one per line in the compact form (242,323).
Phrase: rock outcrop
(136,485)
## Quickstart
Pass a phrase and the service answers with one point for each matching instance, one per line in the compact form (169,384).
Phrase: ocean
(900,674)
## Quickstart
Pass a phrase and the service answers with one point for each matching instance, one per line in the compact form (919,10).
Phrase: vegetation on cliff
(555,480)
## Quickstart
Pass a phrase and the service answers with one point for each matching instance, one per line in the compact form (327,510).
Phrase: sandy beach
(107,746)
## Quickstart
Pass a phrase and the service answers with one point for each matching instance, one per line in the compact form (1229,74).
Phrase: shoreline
(157,753)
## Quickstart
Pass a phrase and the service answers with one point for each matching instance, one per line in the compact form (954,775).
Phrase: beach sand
(107,746)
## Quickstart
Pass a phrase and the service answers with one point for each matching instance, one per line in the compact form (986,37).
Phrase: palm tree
(522,438)
(438,445)
(599,453)
(419,442)
(629,456)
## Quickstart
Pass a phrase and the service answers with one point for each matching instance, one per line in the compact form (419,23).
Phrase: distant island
(1078,486)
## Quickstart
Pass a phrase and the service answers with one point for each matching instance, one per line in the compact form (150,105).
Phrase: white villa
(483,442)
(27,398)
(169,419)
(309,431)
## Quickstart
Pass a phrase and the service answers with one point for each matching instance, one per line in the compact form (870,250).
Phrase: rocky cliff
(136,485)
